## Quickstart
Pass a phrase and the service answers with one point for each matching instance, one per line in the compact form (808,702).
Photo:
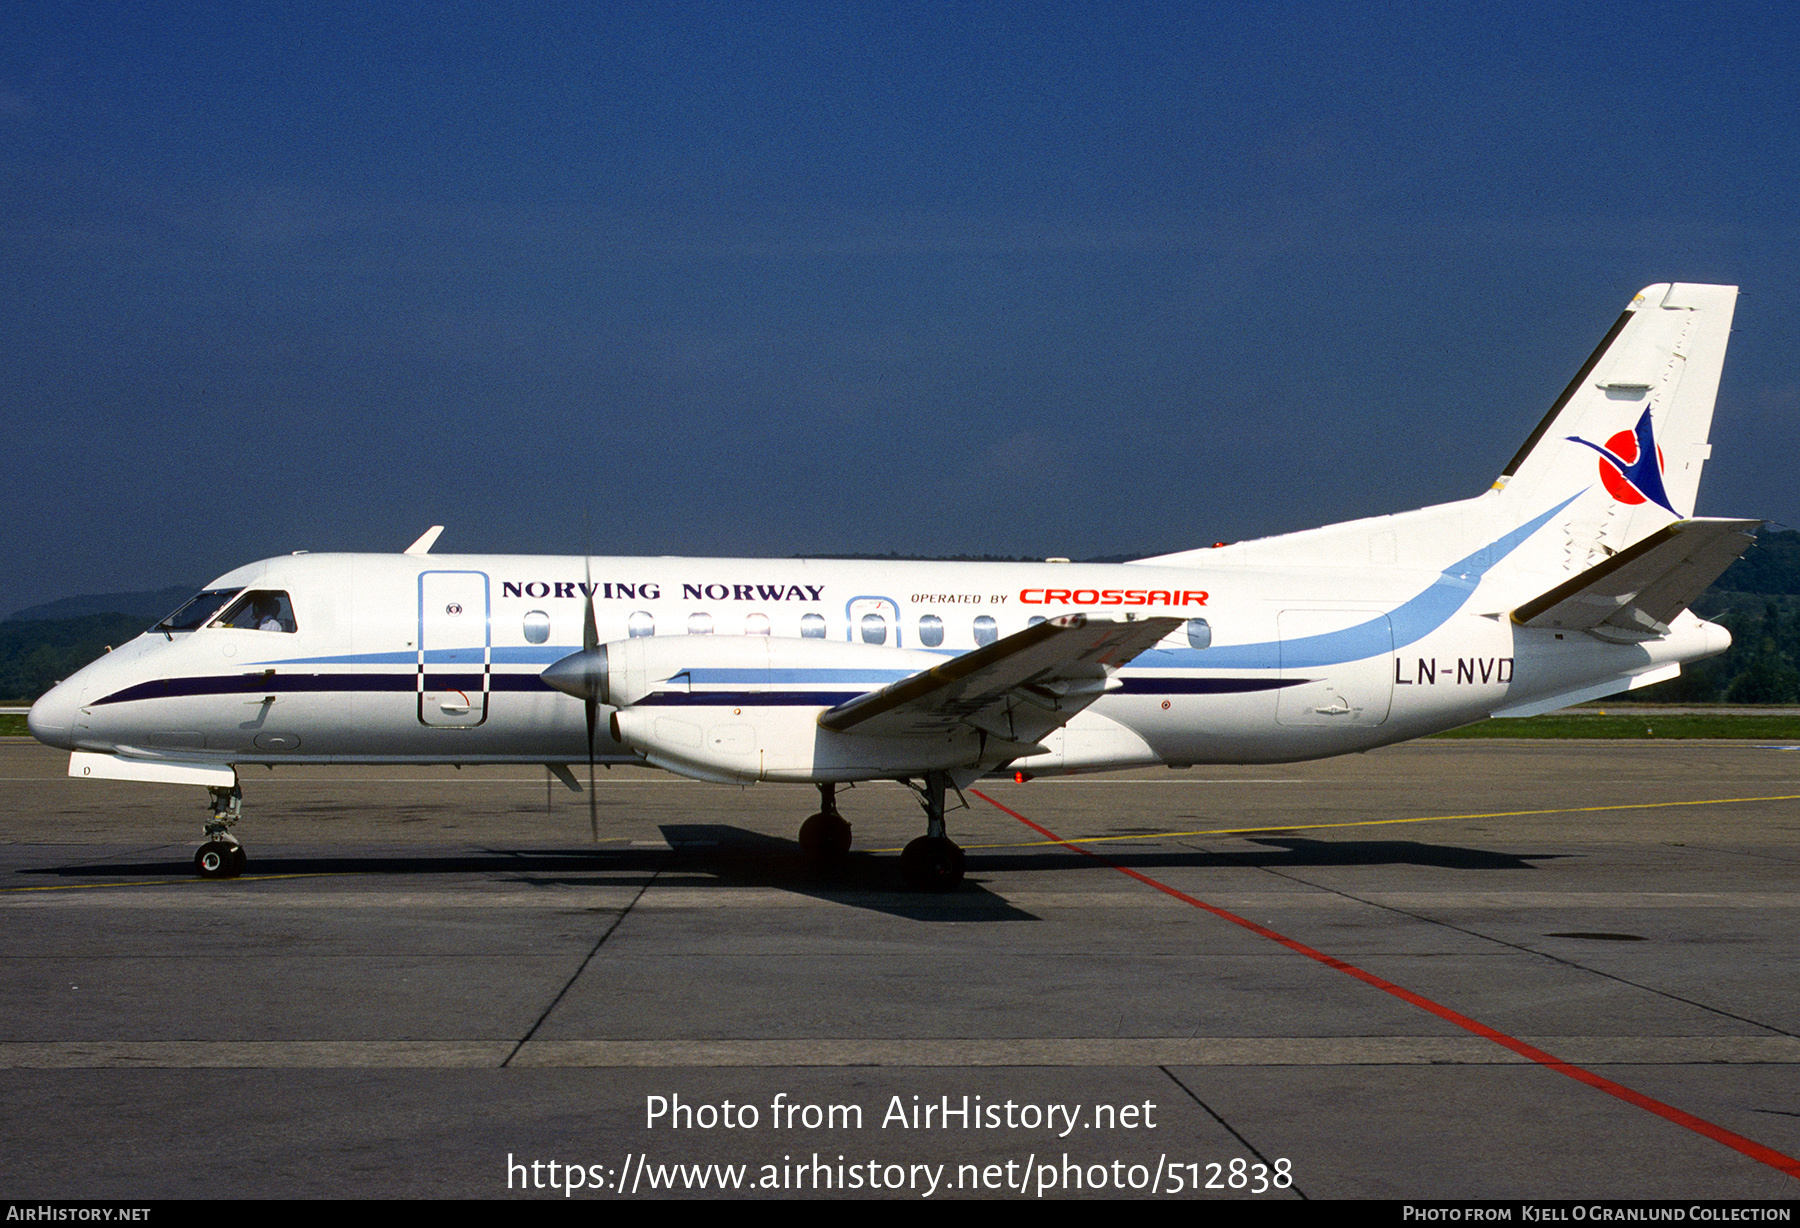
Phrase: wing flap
(1016,689)
(1638,590)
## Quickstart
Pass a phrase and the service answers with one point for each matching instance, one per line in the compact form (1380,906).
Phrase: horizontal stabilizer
(1640,589)
(1016,689)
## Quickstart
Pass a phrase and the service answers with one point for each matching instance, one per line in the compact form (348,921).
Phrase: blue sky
(779,279)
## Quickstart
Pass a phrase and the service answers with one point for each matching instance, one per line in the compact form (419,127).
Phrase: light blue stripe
(533,654)
(1407,624)
(547,654)
(848,677)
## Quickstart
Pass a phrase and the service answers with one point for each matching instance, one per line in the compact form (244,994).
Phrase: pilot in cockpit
(263,610)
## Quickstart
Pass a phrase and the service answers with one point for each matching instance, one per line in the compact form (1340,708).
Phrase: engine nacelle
(745,743)
(746,708)
(626,672)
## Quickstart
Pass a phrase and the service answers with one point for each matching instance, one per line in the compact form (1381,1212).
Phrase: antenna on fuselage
(426,541)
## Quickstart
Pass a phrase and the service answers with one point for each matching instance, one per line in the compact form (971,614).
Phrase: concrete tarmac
(1482,969)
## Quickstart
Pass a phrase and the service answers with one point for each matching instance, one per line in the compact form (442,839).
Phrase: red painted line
(1737,1142)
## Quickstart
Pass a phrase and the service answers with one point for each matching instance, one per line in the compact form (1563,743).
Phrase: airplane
(1569,579)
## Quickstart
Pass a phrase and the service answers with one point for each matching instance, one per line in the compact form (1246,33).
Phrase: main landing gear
(933,862)
(825,838)
(222,856)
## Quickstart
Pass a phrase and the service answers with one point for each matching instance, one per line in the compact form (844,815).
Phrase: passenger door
(873,620)
(454,651)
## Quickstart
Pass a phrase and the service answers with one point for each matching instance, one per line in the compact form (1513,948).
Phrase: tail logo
(1631,466)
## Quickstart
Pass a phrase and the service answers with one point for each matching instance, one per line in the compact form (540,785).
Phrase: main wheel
(219,859)
(932,863)
(825,839)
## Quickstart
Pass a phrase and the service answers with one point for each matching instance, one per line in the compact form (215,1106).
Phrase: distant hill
(36,655)
(1772,566)
(43,644)
(152,605)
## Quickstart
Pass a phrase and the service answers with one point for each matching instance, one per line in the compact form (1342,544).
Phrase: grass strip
(1647,725)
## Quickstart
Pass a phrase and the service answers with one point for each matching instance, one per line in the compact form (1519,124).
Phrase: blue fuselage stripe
(290,684)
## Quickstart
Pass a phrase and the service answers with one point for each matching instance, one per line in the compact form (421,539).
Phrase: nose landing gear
(222,856)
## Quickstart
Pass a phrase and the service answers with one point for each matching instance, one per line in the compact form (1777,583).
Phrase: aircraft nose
(52,717)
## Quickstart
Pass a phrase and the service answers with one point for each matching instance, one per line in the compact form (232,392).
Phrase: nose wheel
(220,859)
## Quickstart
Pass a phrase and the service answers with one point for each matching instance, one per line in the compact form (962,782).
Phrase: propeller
(583,676)
(590,640)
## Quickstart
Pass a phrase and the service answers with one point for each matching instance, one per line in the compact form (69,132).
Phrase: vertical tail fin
(1629,433)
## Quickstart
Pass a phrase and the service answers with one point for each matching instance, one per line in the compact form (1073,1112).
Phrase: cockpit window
(260,609)
(198,609)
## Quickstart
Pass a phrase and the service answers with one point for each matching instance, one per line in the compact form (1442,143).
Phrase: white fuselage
(436,658)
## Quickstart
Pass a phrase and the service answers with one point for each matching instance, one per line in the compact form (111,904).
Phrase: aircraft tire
(825,840)
(932,863)
(219,859)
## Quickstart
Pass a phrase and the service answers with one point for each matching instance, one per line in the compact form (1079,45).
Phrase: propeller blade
(590,634)
(590,640)
(593,721)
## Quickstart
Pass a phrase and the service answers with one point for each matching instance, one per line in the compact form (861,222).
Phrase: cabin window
(756,624)
(874,629)
(641,625)
(700,623)
(986,629)
(1199,633)
(1034,620)
(259,609)
(931,630)
(812,626)
(197,609)
(537,627)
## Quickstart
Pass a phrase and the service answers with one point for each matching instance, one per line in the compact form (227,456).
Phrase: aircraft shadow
(1295,853)
(698,856)
(707,856)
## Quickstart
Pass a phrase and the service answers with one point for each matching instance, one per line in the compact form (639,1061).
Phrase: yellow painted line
(1434,818)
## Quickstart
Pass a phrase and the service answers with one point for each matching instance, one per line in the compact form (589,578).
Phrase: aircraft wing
(1642,587)
(1017,689)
